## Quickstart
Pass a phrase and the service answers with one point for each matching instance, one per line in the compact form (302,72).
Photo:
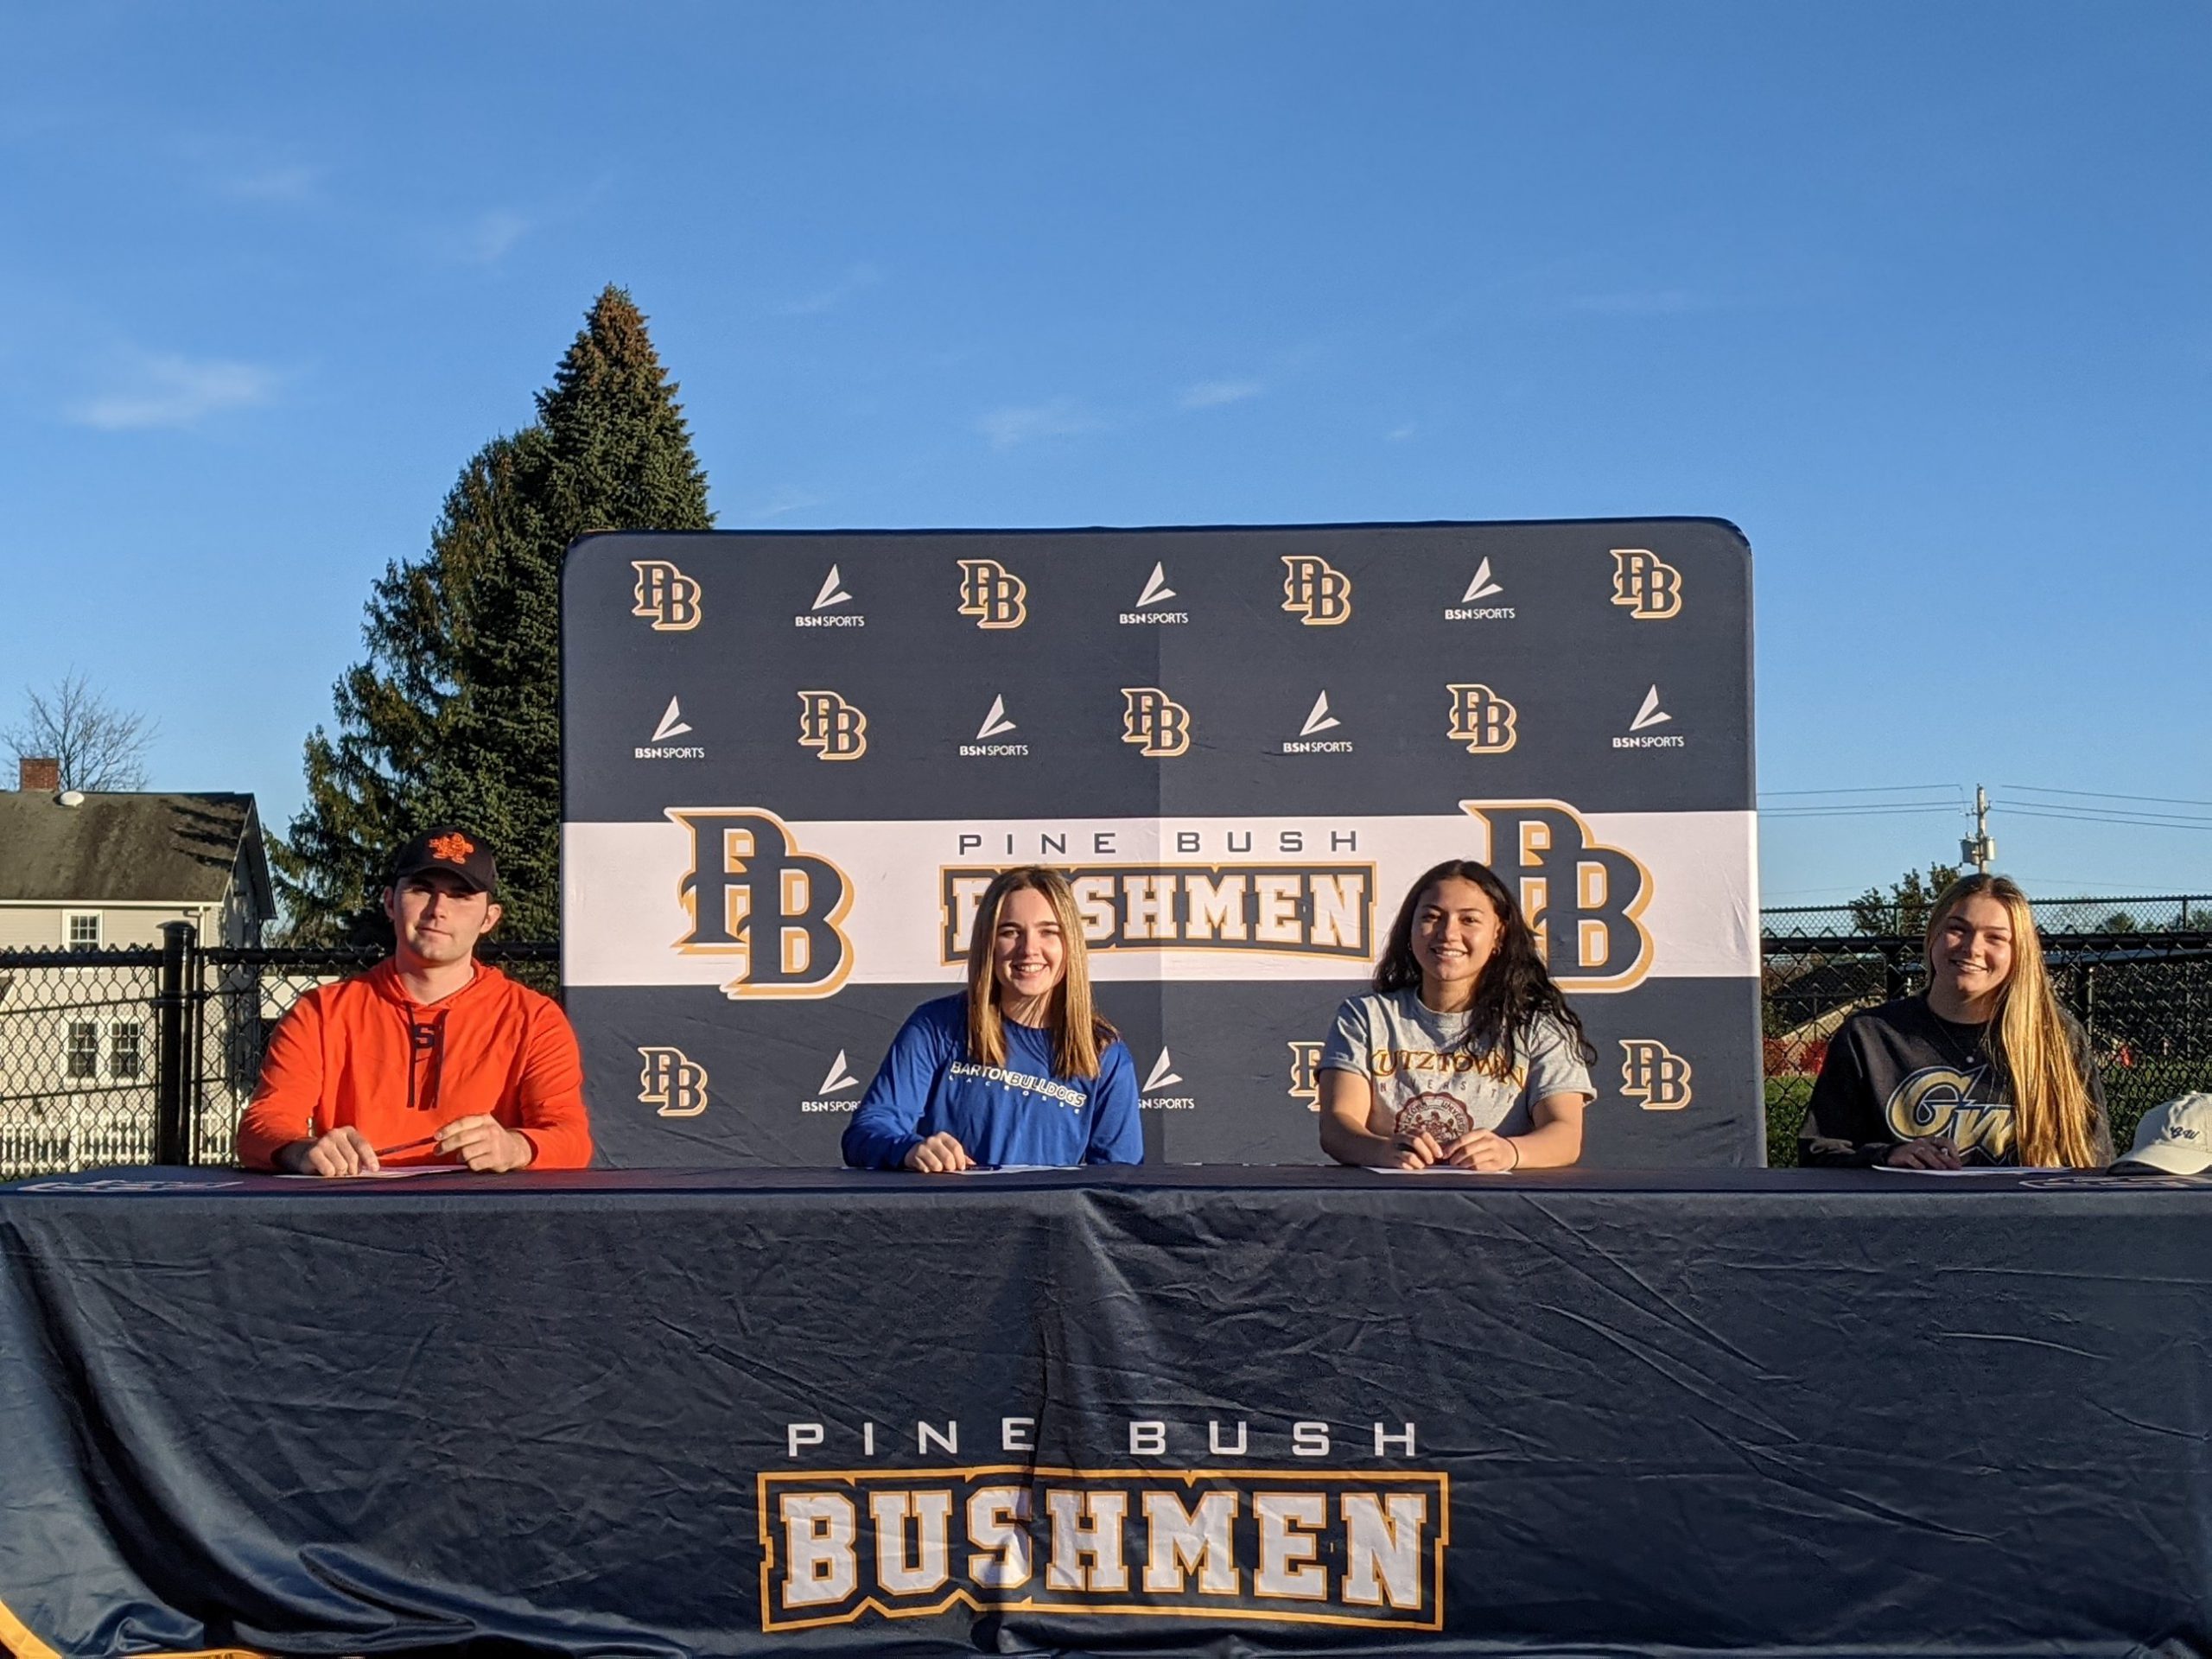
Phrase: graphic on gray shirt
(1404,1050)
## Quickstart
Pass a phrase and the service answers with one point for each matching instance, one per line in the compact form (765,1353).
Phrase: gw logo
(833,728)
(672,1081)
(1155,722)
(1647,584)
(666,595)
(1316,590)
(1304,1082)
(993,594)
(1939,1100)
(752,895)
(1654,1074)
(1482,720)
(1583,901)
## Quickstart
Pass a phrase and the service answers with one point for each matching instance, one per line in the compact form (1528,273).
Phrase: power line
(2097,795)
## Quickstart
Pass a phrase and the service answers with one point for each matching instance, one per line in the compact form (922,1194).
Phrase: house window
(82,930)
(84,1057)
(125,1054)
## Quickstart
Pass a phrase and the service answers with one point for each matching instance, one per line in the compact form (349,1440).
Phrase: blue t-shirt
(1018,1113)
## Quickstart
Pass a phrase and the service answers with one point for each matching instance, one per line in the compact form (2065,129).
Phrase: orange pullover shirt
(363,1051)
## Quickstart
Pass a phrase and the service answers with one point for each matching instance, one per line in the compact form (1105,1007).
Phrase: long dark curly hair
(1514,988)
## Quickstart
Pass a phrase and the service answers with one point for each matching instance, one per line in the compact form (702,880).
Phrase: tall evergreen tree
(457,715)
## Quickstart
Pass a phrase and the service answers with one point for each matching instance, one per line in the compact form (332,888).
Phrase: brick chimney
(38,774)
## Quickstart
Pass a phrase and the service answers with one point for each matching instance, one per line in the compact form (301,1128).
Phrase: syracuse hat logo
(993,594)
(666,595)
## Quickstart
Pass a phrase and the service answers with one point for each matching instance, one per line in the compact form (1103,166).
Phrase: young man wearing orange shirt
(429,1057)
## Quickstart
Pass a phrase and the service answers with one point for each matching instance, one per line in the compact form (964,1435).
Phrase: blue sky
(1920,296)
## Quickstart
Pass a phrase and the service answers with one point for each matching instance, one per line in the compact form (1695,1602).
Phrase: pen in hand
(407,1145)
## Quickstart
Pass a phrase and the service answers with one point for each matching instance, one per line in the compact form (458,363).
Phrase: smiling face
(1456,932)
(1971,956)
(436,920)
(1028,955)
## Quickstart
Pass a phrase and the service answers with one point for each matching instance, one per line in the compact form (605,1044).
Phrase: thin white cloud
(856,277)
(279,184)
(492,236)
(1024,423)
(178,392)
(1399,434)
(784,501)
(1212,394)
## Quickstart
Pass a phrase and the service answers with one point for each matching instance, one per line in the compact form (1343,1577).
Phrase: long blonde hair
(1079,1031)
(2051,1109)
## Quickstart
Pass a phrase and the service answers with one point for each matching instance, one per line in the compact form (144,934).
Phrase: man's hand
(344,1151)
(1934,1152)
(1482,1149)
(484,1145)
(1417,1151)
(941,1155)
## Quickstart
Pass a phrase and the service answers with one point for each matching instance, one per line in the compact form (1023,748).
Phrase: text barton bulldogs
(753,896)
(1269,1546)
(1325,910)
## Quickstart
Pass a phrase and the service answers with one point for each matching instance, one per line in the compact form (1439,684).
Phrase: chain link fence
(138,1057)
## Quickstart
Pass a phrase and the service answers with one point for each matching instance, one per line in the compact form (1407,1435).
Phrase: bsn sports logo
(996,723)
(672,1083)
(833,728)
(824,613)
(993,594)
(1156,593)
(1316,591)
(1646,584)
(658,748)
(666,595)
(752,895)
(1155,722)
(1649,714)
(1654,1074)
(1467,610)
(1309,740)
(1164,1075)
(837,1081)
(1584,902)
(1305,1074)
(1482,720)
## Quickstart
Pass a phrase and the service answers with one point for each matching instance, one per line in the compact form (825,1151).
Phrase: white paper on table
(1977,1169)
(407,1174)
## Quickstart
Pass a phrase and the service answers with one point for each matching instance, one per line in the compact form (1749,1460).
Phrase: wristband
(1516,1145)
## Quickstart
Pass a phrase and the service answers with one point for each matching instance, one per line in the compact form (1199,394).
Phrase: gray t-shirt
(1404,1050)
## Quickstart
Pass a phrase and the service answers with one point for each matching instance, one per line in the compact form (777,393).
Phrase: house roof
(120,847)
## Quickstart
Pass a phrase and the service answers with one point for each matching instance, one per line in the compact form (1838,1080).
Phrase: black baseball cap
(448,846)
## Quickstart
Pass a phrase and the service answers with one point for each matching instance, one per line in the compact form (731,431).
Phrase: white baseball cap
(2173,1139)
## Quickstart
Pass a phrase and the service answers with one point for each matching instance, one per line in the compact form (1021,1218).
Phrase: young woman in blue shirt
(1019,1068)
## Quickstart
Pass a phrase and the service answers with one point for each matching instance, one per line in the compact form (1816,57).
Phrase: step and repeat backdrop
(793,762)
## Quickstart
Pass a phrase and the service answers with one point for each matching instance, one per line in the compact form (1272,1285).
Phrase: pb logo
(1482,720)
(673,1082)
(1305,1081)
(993,594)
(666,595)
(1155,722)
(833,728)
(1647,584)
(752,895)
(1584,902)
(1654,1074)
(1316,590)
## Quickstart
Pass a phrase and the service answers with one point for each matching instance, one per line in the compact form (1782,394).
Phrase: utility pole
(1979,850)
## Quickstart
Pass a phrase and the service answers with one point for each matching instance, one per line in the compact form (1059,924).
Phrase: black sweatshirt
(1901,1072)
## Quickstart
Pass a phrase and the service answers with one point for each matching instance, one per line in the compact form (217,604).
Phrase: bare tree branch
(99,746)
